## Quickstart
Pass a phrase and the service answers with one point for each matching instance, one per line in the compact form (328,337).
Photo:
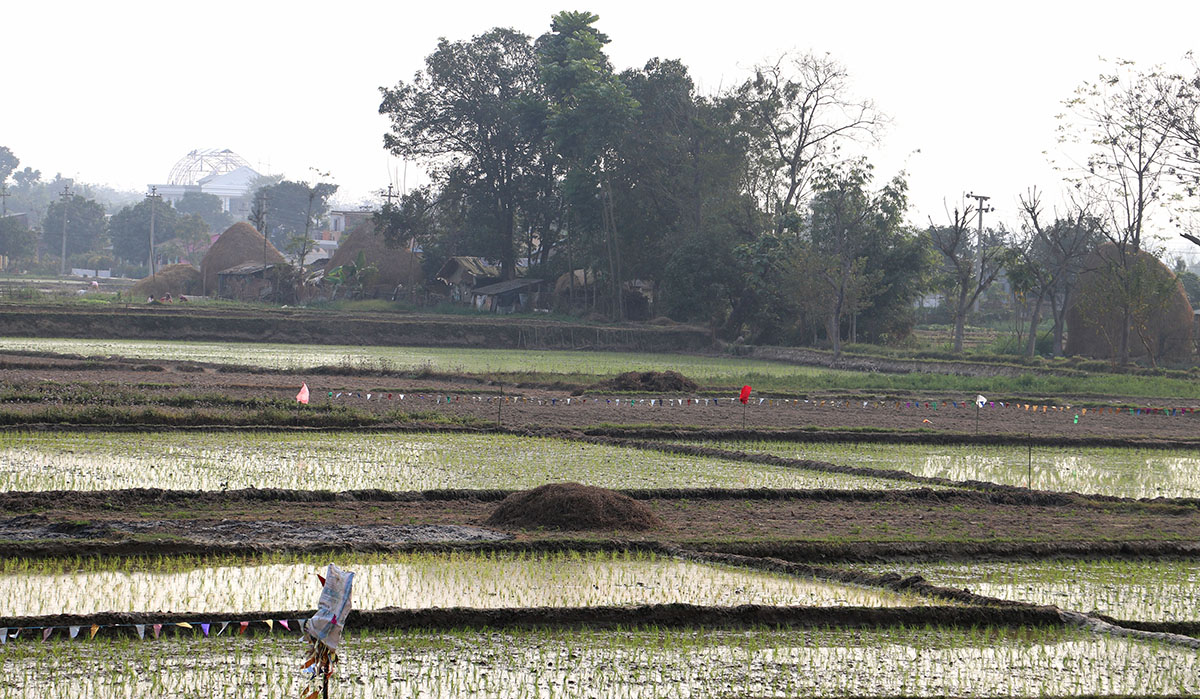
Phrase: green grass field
(584,368)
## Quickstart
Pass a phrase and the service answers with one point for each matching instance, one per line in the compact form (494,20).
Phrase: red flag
(745,396)
(302,396)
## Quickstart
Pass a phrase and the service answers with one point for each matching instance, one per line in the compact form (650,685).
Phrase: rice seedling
(1123,472)
(1142,590)
(412,581)
(346,461)
(637,663)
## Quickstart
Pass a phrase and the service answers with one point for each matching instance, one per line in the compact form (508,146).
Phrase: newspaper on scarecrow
(324,630)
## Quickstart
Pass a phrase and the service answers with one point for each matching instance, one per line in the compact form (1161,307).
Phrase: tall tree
(85,226)
(1118,119)
(590,110)
(1054,254)
(130,229)
(16,239)
(8,165)
(474,116)
(292,208)
(846,224)
(969,265)
(802,106)
(208,207)
(678,177)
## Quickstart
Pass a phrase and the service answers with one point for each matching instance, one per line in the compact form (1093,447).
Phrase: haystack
(175,280)
(1093,335)
(573,506)
(239,244)
(396,266)
(648,382)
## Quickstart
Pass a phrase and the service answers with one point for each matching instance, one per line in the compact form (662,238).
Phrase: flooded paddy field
(437,359)
(642,663)
(1142,590)
(335,461)
(1121,472)
(410,581)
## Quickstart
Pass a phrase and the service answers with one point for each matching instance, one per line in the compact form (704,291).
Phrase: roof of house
(502,287)
(475,265)
(245,269)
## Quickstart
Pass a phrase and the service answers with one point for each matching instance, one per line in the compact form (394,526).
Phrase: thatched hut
(396,267)
(175,280)
(238,245)
(1165,315)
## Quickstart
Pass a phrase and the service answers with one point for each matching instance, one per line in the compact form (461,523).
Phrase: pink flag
(302,396)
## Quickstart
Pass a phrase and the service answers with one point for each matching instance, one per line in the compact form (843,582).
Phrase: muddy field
(33,383)
(896,523)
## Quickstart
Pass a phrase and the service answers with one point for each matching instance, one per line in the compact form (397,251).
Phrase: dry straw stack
(1170,328)
(238,245)
(175,280)
(396,265)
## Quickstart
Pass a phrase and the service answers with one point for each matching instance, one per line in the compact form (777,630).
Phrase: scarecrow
(324,630)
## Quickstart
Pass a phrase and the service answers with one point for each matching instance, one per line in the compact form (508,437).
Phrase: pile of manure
(574,507)
(649,382)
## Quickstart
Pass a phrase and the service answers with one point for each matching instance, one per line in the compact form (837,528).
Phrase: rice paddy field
(71,559)
(586,367)
(1121,472)
(442,360)
(335,461)
(1146,590)
(411,581)
(921,662)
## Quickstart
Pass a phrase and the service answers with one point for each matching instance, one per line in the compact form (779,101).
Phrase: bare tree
(969,266)
(803,112)
(1054,254)
(1120,120)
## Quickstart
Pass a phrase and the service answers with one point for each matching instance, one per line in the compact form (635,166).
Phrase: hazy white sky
(116,92)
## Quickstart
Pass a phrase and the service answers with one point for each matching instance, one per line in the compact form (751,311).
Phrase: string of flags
(979,403)
(206,628)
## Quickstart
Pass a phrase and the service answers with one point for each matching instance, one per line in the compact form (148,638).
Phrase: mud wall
(321,327)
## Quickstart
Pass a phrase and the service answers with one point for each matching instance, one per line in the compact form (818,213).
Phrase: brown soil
(808,526)
(47,381)
(573,507)
(659,615)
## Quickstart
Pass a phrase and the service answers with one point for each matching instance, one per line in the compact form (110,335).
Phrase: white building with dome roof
(219,172)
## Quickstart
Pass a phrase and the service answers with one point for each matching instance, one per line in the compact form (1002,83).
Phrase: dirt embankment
(813,357)
(325,327)
(798,526)
(659,615)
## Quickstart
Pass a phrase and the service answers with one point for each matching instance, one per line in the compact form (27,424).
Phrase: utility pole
(153,197)
(262,206)
(981,207)
(4,195)
(66,197)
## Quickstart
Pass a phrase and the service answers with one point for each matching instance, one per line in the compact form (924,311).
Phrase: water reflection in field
(355,460)
(1142,590)
(1135,473)
(420,581)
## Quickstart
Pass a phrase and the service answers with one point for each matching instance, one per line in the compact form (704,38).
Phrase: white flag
(141,630)
(74,631)
(980,401)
